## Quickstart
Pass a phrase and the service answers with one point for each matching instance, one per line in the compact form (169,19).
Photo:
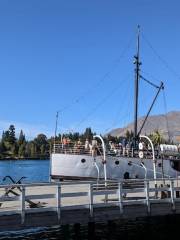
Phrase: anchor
(11,190)
(14,182)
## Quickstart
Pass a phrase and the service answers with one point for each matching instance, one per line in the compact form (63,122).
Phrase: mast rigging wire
(168,67)
(126,96)
(98,105)
(160,58)
(102,79)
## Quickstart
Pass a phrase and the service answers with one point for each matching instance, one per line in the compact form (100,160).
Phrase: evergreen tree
(2,148)
(5,136)
(12,137)
(33,150)
(2,144)
(22,138)
(28,149)
(88,134)
(14,149)
(21,150)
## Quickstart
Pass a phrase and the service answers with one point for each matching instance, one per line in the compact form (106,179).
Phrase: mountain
(168,125)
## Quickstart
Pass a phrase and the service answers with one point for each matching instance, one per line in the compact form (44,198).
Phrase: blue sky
(77,57)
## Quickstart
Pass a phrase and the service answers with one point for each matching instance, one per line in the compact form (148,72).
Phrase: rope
(166,65)
(123,99)
(98,105)
(102,79)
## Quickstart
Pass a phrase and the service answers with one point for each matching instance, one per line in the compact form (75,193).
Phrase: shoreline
(23,159)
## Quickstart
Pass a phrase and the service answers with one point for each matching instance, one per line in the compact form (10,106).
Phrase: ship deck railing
(82,149)
(72,149)
(116,152)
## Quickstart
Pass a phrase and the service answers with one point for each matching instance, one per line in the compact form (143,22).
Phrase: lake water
(151,228)
(33,170)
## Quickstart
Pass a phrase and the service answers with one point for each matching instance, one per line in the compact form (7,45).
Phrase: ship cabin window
(175,165)
(83,160)
(117,162)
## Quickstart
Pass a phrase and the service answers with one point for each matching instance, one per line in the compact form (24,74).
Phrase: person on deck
(87,145)
(124,146)
(64,144)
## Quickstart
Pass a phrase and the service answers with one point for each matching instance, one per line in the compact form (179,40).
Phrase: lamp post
(154,162)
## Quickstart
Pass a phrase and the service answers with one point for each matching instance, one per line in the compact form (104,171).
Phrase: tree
(14,149)
(31,150)
(88,134)
(41,143)
(40,139)
(12,135)
(2,144)
(157,137)
(127,134)
(28,149)
(21,150)
(21,139)
(2,148)
(5,136)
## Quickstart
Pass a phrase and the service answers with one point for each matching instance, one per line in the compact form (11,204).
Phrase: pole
(55,132)
(159,89)
(136,87)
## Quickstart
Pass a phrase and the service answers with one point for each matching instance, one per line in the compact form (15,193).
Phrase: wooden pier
(49,204)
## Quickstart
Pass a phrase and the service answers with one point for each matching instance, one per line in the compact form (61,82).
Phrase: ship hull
(67,166)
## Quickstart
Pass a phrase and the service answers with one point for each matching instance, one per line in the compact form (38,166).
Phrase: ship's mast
(136,87)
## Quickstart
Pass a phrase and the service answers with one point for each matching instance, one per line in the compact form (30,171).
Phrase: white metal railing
(85,195)
(75,149)
(72,149)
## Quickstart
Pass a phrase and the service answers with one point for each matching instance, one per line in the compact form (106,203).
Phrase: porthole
(129,163)
(83,160)
(117,162)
